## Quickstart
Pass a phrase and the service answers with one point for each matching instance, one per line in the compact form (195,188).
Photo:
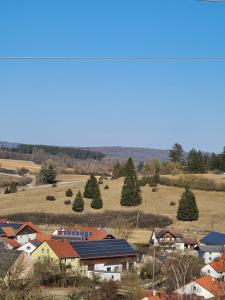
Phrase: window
(42,250)
(194,288)
(48,251)
(208,271)
(28,247)
(108,269)
(210,258)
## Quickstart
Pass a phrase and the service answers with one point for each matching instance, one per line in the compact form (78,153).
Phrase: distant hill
(136,153)
(121,153)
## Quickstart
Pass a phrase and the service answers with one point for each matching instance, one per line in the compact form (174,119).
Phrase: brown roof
(29,224)
(41,237)
(177,233)
(13,243)
(62,249)
(190,241)
(214,286)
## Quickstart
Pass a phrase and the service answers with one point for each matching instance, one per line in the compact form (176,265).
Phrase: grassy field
(211,204)
(12,164)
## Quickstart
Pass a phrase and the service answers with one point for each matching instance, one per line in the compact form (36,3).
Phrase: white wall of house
(179,246)
(154,240)
(208,270)
(195,288)
(209,257)
(108,268)
(24,238)
(28,248)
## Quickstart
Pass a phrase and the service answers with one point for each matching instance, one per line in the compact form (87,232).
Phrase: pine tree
(187,210)
(97,200)
(131,194)
(177,154)
(196,162)
(47,174)
(90,187)
(78,204)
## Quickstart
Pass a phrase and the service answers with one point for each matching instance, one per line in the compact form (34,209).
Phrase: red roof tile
(214,286)
(62,249)
(218,266)
(8,231)
(13,243)
(97,233)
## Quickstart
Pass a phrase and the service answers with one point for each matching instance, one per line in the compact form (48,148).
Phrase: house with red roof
(215,269)
(22,232)
(60,252)
(206,287)
(81,234)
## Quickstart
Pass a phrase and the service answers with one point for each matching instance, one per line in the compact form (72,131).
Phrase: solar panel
(14,226)
(104,248)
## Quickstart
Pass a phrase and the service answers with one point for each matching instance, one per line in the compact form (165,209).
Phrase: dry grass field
(211,204)
(12,164)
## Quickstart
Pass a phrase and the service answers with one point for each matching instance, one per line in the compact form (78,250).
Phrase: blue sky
(95,103)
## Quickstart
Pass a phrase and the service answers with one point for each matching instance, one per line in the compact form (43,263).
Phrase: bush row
(105,219)
(194,182)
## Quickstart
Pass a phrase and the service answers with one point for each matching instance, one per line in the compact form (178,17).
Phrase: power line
(116,58)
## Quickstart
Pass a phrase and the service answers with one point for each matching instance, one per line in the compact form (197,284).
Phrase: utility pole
(137,221)
(212,224)
(153,271)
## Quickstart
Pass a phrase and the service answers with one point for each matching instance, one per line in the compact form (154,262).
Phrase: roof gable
(212,285)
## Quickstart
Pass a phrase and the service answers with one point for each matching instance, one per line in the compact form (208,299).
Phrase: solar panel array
(214,238)
(103,248)
(11,225)
(84,234)
(68,238)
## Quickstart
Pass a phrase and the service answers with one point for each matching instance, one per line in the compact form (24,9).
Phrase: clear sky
(96,103)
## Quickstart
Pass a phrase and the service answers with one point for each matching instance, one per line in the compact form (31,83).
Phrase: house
(215,269)
(31,245)
(9,243)
(60,252)
(81,234)
(171,239)
(106,259)
(214,238)
(210,252)
(14,265)
(207,287)
(22,232)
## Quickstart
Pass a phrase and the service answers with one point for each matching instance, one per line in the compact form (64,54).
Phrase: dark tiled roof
(211,248)
(177,233)
(103,248)
(214,238)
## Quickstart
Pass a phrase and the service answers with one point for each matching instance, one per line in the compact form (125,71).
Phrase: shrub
(154,189)
(100,181)
(172,203)
(11,188)
(54,185)
(106,187)
(67,202)
(69,193)
(50,198)
(22,171)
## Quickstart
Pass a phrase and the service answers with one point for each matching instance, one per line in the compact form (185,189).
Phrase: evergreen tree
(187,210)
(69,193)
(196,162)
(177,154)
(131,194)
(78,204)
(97,200)
(140,166)
(47,174)
(90,187)
(116,171)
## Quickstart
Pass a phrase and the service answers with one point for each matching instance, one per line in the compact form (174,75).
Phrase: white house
(210,252)
(106,272)
(29,247)
(215,269)
(207,287)
(171,239)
